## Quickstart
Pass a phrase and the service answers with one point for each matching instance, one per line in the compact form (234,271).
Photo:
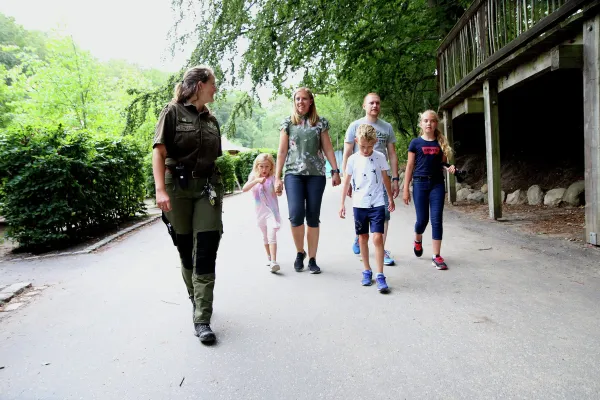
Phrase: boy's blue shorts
(363,217)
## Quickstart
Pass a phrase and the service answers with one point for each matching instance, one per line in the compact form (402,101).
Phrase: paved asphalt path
(512,318)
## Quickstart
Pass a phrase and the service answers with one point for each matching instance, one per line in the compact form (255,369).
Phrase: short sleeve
(350,166)
(412,147)
(285,125)
(324,124)
(165,127)
(383,164)
(350,133)
(392,135)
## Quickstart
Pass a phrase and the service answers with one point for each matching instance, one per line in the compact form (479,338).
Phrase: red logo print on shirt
(431,150)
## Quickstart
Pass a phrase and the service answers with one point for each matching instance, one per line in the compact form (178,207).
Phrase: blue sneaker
(381,285)
(367,279)
(356,246)
(387,258)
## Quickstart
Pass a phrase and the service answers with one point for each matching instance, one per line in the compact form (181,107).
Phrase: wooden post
(591,127)
(492,147)
(450,180)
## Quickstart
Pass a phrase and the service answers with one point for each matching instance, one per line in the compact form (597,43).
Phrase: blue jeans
(429,195)
(304,194)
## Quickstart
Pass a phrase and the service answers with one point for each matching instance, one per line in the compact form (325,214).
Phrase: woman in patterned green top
(304,143)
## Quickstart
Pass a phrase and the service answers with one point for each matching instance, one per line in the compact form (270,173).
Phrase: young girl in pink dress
(261,183)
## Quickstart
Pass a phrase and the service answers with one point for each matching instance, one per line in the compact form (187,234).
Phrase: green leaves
(336,46)
(59,186)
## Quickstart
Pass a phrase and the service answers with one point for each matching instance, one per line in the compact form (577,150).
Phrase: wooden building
(499,44)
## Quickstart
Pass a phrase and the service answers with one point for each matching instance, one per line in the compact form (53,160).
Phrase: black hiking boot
(204,333)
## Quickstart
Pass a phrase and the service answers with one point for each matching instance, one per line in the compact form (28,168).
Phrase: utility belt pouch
(182,176)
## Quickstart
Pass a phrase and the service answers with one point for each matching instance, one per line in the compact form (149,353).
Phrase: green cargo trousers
(199,226)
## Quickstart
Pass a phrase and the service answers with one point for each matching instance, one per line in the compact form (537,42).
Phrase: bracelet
(395,178)
(335,171)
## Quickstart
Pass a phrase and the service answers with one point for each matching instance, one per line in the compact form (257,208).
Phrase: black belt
(192,174)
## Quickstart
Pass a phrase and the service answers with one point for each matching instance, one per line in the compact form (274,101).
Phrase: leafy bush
(60,187)
(402,142)
(226,164)
(149,176)
(245,160)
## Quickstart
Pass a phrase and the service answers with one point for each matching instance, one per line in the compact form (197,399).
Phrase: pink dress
(267,208)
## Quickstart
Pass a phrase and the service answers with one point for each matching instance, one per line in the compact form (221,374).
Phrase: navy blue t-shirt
(428,157)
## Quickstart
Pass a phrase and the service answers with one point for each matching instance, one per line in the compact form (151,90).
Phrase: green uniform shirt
(305,153)
(192,138)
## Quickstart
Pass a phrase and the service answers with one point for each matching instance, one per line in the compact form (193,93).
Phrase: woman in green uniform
(189,190)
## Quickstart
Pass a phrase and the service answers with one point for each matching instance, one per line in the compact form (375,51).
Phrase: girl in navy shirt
(426,154)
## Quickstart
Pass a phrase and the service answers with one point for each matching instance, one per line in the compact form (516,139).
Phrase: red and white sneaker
(439,263)
(418,248)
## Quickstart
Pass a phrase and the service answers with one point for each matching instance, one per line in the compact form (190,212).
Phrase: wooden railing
(489,26)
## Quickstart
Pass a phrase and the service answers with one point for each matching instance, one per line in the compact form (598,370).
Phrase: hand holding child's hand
(343,212)
(278,186)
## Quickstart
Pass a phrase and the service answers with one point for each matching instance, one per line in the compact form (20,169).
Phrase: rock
(484,188)
(464,185)
(476,197)
(535,195)
(5,297)
(16,288)
(12,306)
(574,196)
(502,197)
(554,197)
(517,197)
(462,194)
(458,186)
(402,175)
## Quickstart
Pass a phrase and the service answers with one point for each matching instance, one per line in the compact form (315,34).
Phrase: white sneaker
(274,266)
(268,262)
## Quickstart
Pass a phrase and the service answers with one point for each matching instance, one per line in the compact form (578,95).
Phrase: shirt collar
(188,104)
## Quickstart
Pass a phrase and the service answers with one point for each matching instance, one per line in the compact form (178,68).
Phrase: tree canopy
(384,46)
(47,80)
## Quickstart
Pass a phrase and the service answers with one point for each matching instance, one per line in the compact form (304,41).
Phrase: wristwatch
(335,171)
(395,178)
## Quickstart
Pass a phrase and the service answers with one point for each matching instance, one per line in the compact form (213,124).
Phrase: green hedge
(226,165)
(60,188)
(149,176)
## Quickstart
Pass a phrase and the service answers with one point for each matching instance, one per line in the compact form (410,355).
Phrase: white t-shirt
(366,180)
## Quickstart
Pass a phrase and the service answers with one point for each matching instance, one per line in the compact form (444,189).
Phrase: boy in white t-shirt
(366,170)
